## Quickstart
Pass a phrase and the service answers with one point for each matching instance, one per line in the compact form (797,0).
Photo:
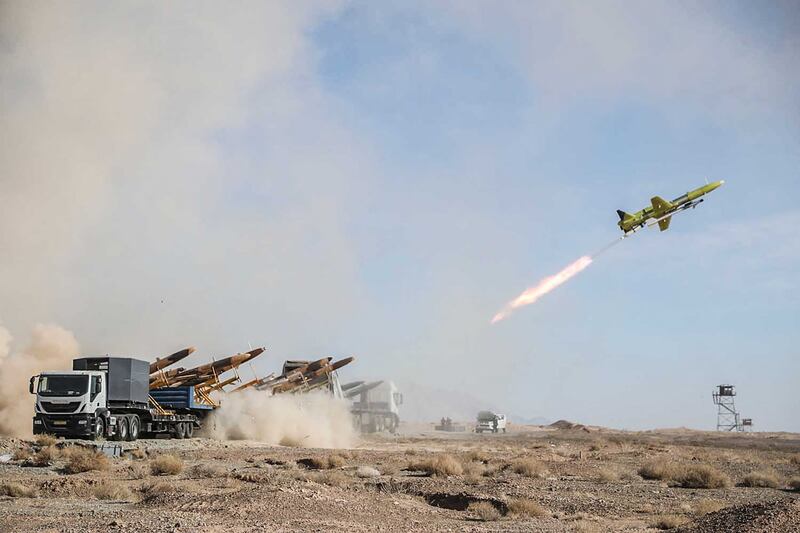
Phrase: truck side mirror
(30,385)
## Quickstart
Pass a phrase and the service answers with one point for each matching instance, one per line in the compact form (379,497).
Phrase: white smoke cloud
(314,420)
(51,348)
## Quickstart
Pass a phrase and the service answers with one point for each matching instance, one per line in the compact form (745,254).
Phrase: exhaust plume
(543,287)
(51,348)
(313,420)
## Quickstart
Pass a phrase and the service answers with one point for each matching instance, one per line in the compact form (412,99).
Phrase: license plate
(59,422)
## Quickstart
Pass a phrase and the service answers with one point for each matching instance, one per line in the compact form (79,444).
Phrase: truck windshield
(63,385)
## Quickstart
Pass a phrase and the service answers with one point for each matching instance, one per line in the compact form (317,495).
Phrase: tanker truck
(110,397)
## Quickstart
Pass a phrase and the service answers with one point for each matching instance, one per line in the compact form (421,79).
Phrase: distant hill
(423,403)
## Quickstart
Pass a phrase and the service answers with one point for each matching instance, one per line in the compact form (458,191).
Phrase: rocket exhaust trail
(548,284)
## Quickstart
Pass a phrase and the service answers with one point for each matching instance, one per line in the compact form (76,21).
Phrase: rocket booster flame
(543,287)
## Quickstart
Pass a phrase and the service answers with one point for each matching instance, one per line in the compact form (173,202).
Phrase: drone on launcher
(660,211)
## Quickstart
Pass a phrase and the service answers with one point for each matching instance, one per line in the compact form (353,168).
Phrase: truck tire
(133,428)
(99,428)
(177,430)
(188,430)
(122,428)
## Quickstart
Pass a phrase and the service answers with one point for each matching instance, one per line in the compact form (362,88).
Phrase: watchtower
(746,425)
(727,417)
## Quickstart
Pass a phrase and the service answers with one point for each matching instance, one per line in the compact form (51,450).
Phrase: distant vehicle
(489,421)
(661,211)
(376,406)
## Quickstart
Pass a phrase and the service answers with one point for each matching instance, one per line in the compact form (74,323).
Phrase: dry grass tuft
(762,479)
(208,471)
(529,468)
(701,477)
(23,454)
(44,440)
(85,460)
(694,476)
(485,510)
(45,456)
(111,490)
(159,487)
(332,478)
(606,475)
(478,455)
(166,464)
(137,453)
(668,521)
(323,463)
(707,506)
(473,469)
(439,465)
(659,469)
(795,459)
(521,507)
(17,490)
(138,471)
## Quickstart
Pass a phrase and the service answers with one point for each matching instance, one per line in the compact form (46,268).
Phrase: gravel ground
(577,480)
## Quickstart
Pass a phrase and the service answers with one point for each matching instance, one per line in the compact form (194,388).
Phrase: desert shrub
(473,469)
(208,471)
(694,476)
(323,463)
(111,490)
(668,521)
(701,477)
(45,456)
(44,440)
(166,464)
(659,469)
(529,468)
(332,478)
(336,461)
(606,475)
(84,460)
(522,507)
(477,455)
(17,490)
(794,483)
(795,459)
(138,471)
(137,453)
(439,465)
(23,454)
(158,487)
(706,506)
(762,479)
(484,510)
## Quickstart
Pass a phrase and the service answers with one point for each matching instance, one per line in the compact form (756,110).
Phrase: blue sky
(381,178)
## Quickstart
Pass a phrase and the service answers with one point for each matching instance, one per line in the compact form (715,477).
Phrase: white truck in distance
(491,422)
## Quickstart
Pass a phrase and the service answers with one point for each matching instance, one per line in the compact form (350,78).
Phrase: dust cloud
(314,420)
(51,348)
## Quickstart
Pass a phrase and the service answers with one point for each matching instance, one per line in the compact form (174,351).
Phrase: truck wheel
(504,430)
(122,428)
(188,430)
(99,428)
(133,429)
(177,430)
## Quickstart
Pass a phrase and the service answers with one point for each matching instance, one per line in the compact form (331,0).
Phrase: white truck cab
(70,401)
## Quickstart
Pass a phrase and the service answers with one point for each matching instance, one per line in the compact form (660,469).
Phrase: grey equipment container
(128,379)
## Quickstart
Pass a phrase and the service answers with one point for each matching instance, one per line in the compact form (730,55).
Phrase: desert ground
(571,478)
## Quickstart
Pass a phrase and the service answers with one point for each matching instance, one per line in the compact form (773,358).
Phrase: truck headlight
(37,422)
(83,422)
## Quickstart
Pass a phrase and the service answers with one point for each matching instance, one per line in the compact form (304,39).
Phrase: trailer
(109,397)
